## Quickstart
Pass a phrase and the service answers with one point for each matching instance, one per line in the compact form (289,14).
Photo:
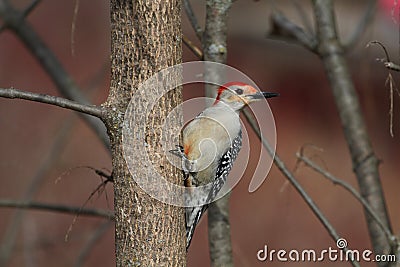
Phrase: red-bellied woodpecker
(211,143)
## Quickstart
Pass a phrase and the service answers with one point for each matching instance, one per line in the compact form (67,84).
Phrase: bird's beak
(268,94)
(261,95)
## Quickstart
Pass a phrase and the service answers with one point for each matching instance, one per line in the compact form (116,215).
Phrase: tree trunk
(215,49)
(365,163)
(146,37)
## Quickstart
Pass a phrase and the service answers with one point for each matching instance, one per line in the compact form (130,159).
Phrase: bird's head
(238,94)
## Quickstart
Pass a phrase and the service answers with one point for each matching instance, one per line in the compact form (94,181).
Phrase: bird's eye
(239,91)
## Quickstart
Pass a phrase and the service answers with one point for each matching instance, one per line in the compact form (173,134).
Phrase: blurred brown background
(46,144)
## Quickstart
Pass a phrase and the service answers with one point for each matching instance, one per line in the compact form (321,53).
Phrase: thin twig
(14,20)
(8,203)
(93,240)
(285,171)
(14,223)
(386,61)
(284,28)
(350,189)
(196,51)
(52,100)
(100,188)
(25,13)
(193,20)
(30,8)
(108,178)
(389,80)
(299,7)
(100,173)
(392,66)
(362,25)
(392,88)
(73,26)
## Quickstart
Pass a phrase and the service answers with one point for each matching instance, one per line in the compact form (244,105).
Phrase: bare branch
(14,223)
(52,100)
(30,7)
(14,20)
(282,27)
(193,20)
(196,51)
(73,26)
(362,25)
(386,61)
(25,13)
(215,41)
(84,252)
(102,174)
(365,163)
(99,189)
(389,80)
(392,88)
(391,66)
(350,189)
(215,49)
(299,7)
(8,203)
(285,171)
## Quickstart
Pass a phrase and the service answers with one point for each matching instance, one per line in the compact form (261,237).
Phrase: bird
(211,143)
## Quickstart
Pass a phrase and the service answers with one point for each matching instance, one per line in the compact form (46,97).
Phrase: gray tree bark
(215,49)
(365,163)
(146,37)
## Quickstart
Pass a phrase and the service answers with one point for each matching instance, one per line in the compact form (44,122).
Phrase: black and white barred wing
(194,214)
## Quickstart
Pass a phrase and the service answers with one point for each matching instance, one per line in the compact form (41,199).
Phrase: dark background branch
(13,93)
(330,50)
(386,61)
(93,240)
(14,225)
(284,28)
(350,189)
(14,20)
(291,178)
(365,21)
(365,163)
(8,203)
(196,51)
(215,49)
(193,20)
